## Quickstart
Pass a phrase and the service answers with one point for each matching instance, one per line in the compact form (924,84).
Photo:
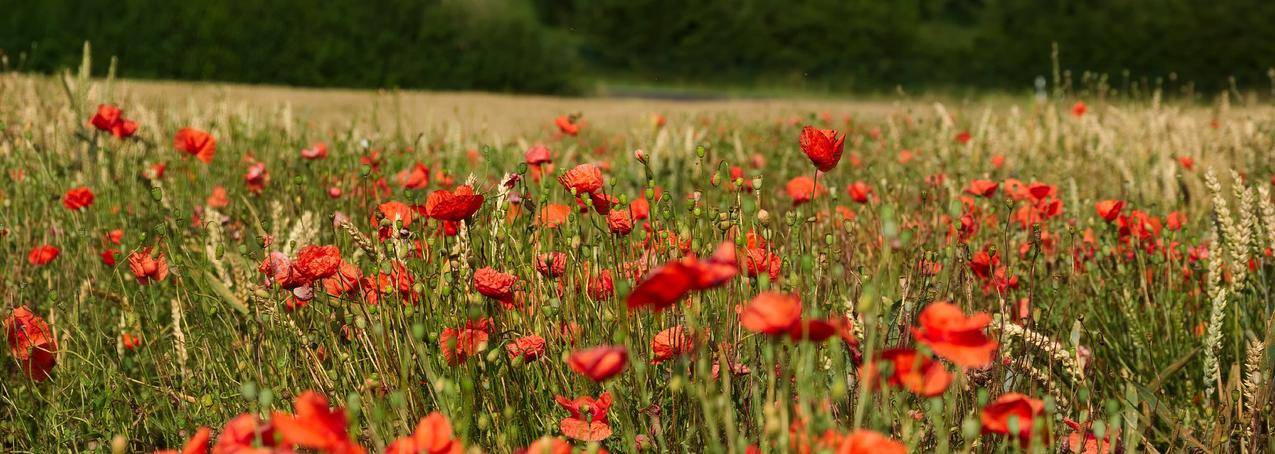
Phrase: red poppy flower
(567,125)
(599,363)
(546,445)
(537,155)
(553,215)
(318,150)
(668,284)
(197,444)
(591,427)
(582,179)
(243,433)
(31,343)
(396,211)
(822,146)
(315,426)
(551,264)
(865,441)
(317,262)
(218,198)
(108,256)
(433,435)
(997,414)
(963,137)
(344,280)
(601,286)
(43,254)
(77,198)
(256,178)
(455,205)
(915,372)
(494,284)
(671,343)
(771,313)
(147,269)
(1176,220)
(1078,109)
(1040,191)
(114,236)
(1186,162)
(982,188)
(859,191)
(803,189)
(197,143)
(954,336)
(640,209)
(529,348)
(460,344)
(620,221)
(110,119)
(278,270)
(1109,209)
(129,341)
(1082,439)
(415,178)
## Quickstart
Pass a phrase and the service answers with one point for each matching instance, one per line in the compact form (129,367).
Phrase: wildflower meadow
(1086,271)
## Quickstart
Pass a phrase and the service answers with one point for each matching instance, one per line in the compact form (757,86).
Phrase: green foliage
(490,44)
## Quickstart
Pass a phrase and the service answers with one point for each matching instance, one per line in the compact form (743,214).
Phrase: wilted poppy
(43,254)
(588,419)
(952,335)
(433,435)
(996,415)
(77,198)
(599,363)
(822,146)
(31,343)
(197,143)
(910,370)
(316,426)
(146,268)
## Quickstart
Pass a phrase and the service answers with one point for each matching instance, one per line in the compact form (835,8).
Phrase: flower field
(1087,272)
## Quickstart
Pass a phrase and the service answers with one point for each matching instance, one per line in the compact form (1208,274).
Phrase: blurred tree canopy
(556,46)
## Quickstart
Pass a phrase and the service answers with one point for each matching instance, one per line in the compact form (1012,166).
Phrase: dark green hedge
(482,44)
(543,45)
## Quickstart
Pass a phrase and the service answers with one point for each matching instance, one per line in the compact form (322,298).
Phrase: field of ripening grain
(245,269)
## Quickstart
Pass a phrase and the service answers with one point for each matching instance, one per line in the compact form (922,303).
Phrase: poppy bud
(699,151)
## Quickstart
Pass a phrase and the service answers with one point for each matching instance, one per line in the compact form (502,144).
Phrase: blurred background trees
(565,46)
